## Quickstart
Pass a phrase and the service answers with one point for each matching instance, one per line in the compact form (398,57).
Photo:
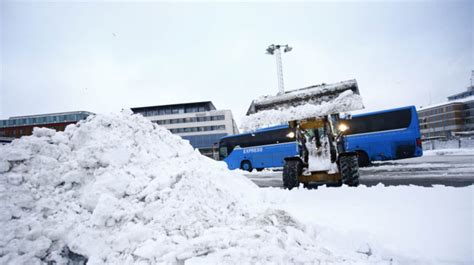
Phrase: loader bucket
(314,95)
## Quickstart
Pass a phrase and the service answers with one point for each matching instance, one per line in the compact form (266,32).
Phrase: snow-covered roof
(462,100)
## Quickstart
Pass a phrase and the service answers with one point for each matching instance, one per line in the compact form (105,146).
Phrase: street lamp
(275,50)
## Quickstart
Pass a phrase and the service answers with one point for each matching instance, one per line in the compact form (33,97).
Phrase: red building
(15,127)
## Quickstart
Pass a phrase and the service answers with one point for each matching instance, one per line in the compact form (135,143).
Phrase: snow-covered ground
(428,225)
(441,167)
(118,189)
(446,167)
(450,151)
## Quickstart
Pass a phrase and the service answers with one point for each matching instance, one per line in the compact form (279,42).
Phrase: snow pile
(346,101)
(312,94)
(119,189)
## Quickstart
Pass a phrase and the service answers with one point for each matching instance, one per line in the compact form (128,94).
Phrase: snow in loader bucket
(314,101)
(313,95)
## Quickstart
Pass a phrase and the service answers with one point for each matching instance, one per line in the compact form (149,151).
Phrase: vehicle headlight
(291,135)
(343,127)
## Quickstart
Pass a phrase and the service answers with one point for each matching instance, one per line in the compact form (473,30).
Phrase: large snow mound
(347,100)
(119,189)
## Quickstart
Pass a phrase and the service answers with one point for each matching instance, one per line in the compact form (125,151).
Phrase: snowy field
(117,189)
(449,152)
(453,168)
(430,225)
(425,225)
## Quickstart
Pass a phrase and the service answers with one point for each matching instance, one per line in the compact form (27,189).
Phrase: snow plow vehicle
(319,140)
(317,115)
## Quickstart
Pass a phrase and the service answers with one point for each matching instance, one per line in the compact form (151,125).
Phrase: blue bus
(261,149)
(376,136)
(384,135)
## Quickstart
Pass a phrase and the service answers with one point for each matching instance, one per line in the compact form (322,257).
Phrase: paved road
(448,170)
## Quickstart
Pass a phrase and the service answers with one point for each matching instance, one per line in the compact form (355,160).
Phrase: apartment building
(199,122)
(448,119)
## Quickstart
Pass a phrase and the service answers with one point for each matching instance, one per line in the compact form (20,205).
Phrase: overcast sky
(103,57)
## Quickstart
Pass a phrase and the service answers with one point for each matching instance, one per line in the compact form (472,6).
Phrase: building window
(217,118)
(192,119)
(198,129)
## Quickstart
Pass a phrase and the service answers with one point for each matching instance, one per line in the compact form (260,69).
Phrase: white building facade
(199,122)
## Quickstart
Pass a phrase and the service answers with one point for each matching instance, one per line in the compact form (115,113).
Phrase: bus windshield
(222,152)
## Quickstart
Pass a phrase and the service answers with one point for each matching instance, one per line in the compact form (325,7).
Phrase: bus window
(384,135)
(399,119)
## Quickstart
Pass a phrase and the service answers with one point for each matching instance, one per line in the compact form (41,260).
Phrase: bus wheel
(292,169)
(363,159)
(246,165)
(349,169)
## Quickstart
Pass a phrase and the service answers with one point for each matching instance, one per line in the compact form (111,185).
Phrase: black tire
(349,169)
(292,169)
(363,159)
(246,165)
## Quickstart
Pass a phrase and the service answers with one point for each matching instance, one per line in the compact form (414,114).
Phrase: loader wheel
(349,169)
(292,169)
(246,165)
